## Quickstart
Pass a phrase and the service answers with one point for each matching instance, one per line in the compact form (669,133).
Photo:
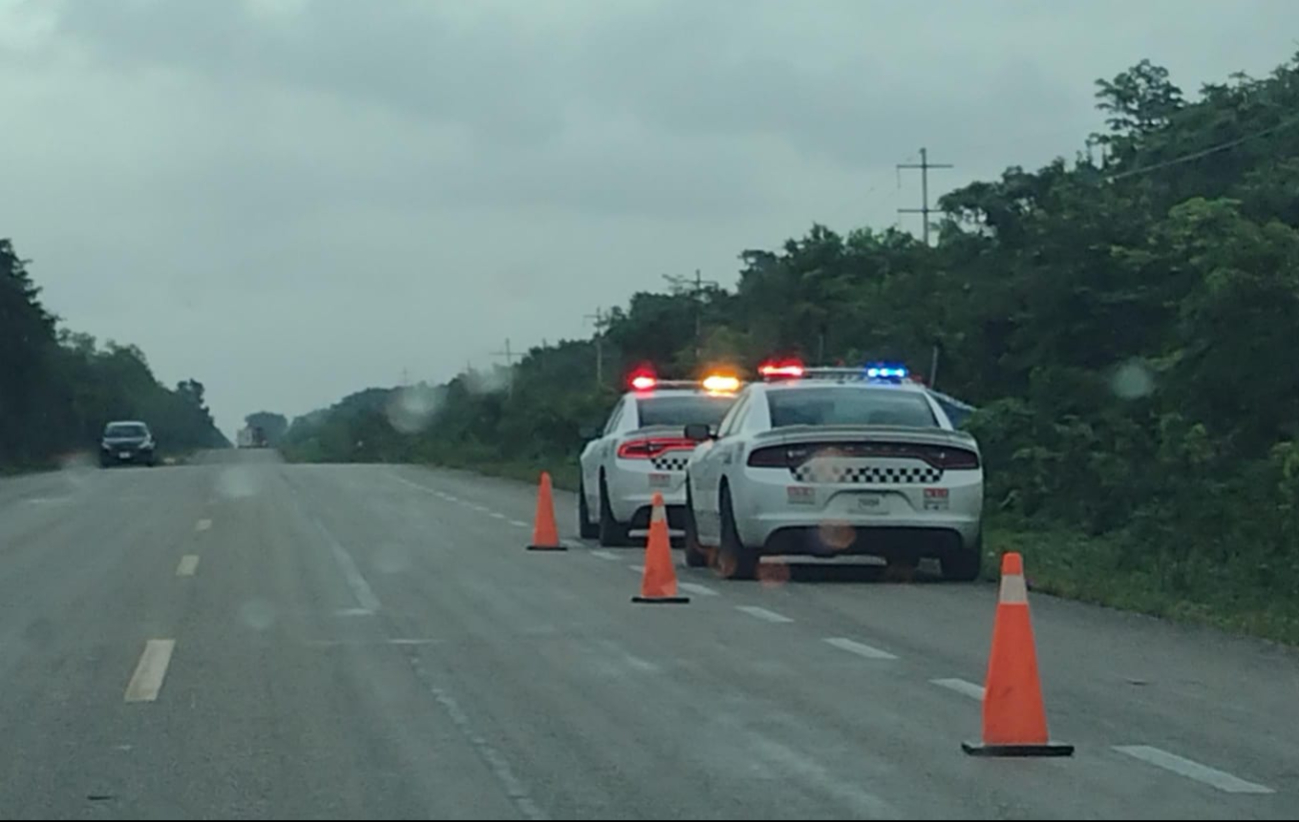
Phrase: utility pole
(509,355)
(924,209)
(405,377)
(695,288)
(601,321)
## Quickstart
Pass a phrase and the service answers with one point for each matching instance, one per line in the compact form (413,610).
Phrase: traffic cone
(1014,716)
(659,584)
(545,536)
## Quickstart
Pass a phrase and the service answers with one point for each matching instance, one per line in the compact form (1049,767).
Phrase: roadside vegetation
(58,388)
(1126,320)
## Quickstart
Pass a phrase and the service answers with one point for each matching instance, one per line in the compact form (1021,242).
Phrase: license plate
(124,455)
(936,499)
(660,480)
(801,495)
(872,504)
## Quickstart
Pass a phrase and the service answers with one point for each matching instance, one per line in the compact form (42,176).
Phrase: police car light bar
(721,383)
(787,370)
(643,382)
(887,372)
(877,372)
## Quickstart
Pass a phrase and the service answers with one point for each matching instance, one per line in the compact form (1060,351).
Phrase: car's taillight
(952,459)
(792,456)
(770,458)
(647,449)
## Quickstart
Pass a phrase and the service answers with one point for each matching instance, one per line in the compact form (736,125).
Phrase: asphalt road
(243,638)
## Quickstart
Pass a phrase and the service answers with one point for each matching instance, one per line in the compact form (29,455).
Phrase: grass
(1064,563)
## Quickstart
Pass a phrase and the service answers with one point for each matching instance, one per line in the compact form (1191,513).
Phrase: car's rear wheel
(612,533)
(735,560)
(585,528)
(961,563)
(695,554)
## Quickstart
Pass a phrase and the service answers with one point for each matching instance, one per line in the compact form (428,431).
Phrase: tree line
(58,388)
(1125,320)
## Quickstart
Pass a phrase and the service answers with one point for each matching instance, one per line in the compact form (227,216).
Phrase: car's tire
(962,564)
(612,534)
(585,528)
(735,560)
(696,557)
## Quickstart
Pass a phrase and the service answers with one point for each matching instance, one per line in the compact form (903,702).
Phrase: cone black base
(547,547)
(1051,749)
(661,600)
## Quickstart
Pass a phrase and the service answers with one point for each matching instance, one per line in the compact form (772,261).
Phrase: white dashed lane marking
(858,648)
(604,555)
(960,686)
(763,614)
(151,671)
(203,525)
(188,566)
(1192,770)
(517,524)
(497,515)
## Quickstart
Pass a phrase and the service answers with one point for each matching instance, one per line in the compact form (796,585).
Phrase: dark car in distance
(127,442)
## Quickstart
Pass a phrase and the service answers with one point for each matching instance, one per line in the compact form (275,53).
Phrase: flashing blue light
(886,372)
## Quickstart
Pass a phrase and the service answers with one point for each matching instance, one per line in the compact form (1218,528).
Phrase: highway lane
(373,641)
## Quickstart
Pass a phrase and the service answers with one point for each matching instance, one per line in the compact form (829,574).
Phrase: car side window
(612,425)
(732,422)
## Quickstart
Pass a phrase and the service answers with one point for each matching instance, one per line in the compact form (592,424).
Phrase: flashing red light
(643,382)
(784,369)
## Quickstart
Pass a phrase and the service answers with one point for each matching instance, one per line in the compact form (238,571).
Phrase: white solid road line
(605,555)
(1192,770)
(763,614)
(188,565)
(339,643)
(960,686)
(203,525)
(146,684)
(696,588)
(858,648)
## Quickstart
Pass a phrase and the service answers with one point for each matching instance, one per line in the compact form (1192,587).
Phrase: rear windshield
(683,410)
(849,406)
(124,430)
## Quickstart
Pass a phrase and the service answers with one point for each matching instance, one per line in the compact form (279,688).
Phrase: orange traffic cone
(545,536)
(659,585)
(1014,716)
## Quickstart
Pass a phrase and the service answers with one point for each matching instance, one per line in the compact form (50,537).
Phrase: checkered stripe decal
(671,462)
(867,474)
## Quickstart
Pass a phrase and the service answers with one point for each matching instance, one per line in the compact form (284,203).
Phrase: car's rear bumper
(831,519)
(632,489)
(126,457)
(891,542)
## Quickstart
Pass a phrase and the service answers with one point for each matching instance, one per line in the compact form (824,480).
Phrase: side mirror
(588,432)
(699,432)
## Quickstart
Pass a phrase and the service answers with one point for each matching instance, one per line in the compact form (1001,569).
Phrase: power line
(924,165)
(1197,155)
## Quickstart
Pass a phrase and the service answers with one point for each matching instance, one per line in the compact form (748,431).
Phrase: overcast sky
(290,200)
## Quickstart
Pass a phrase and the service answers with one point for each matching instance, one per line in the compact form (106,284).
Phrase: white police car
(642,451)
(831,462)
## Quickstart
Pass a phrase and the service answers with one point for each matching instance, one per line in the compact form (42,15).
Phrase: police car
(832,462)
(642,451)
